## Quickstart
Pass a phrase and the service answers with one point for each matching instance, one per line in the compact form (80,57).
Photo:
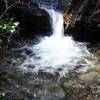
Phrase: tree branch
(6,3)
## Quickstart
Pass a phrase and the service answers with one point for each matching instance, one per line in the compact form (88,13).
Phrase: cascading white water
(57,51)
(57,23)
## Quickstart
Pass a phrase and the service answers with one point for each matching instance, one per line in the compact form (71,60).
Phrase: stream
(56,53)
(36,70)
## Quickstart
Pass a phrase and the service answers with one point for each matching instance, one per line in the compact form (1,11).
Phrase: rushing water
(57,52)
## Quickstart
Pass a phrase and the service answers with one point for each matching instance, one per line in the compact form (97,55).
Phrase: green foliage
(7,30)
(8,25)
(2,95)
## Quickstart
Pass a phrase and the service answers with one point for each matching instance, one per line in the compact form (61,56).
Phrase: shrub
(2,95)
(8,25)
(7,30)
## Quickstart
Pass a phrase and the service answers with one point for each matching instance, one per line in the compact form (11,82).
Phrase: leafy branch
(7,25)
(2,95)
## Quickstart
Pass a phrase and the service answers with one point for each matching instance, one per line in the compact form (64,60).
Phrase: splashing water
(57,51)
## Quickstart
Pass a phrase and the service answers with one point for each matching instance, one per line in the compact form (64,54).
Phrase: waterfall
(57,51)
(57,23)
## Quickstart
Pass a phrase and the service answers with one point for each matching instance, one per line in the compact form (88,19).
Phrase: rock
(45,75)
(89,77)
(62,4)
(94,18)
(32,19)
(85,25)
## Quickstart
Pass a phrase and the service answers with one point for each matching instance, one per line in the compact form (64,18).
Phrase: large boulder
(32,18)
(85,24)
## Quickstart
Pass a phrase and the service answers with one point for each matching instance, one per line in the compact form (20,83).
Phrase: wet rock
(62,4)
(28,52)
(89,77)
(77,90)
(45,75)
(31,66)
(84,25)
(50,91)
(59,69)
(32,19)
